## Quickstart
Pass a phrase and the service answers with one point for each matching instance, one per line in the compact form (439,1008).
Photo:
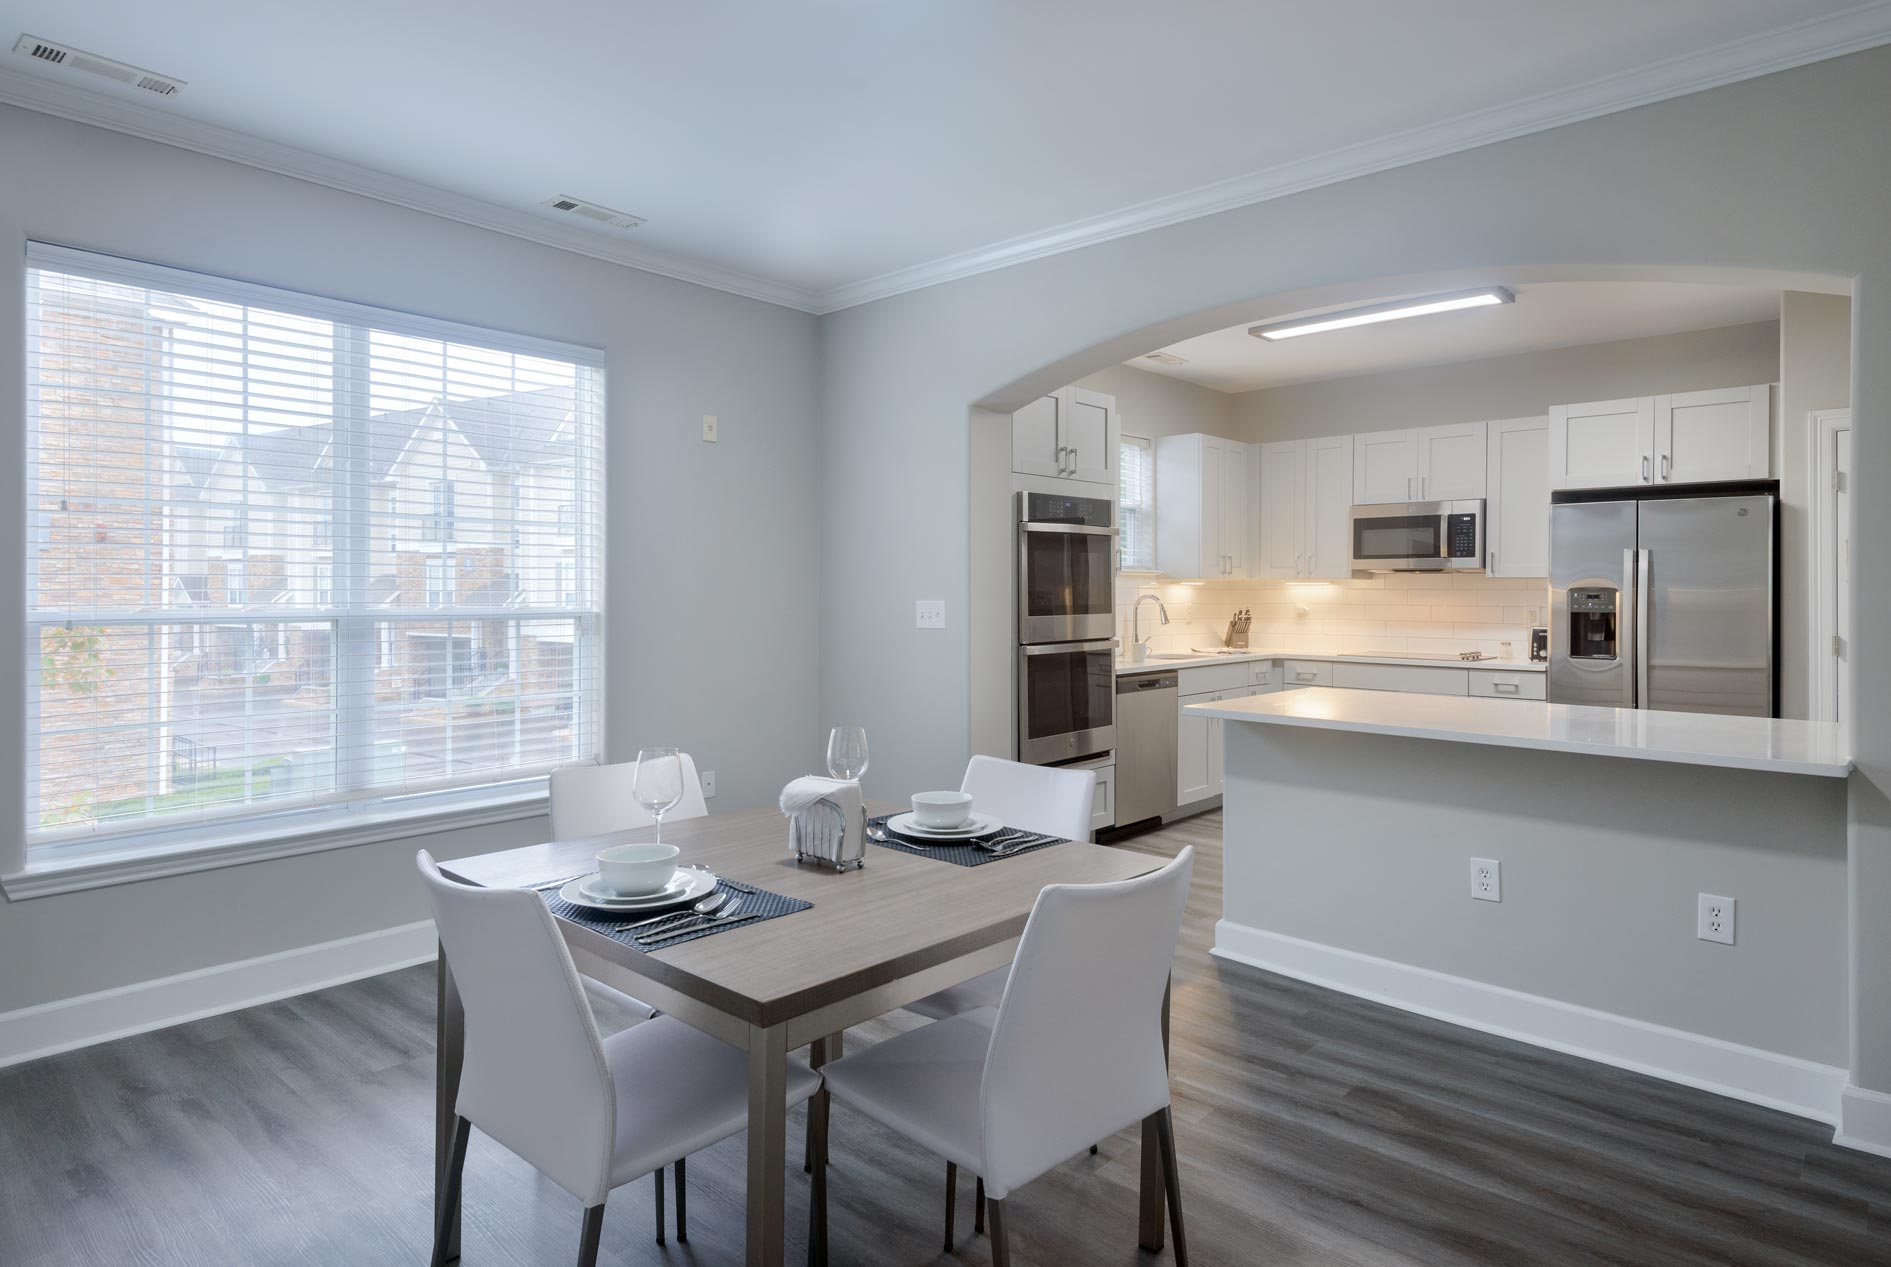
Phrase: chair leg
(659,1179)
(952,1200)
(592,1234)
(1093,1150)
(682,1204)
(450,1202)
(1172,1184)
(978,1206)
(1000,1243)
(817,1192)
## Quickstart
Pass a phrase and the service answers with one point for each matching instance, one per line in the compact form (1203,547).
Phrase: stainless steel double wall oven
(1066,627)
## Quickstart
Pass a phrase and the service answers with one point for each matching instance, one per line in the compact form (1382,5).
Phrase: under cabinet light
(1420,307)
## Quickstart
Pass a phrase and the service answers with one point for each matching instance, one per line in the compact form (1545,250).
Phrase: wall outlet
(709,428)
(708,778)
(1487,880)
(1713,918)
(929,613)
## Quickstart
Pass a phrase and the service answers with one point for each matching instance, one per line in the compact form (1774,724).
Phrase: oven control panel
(1460,536)
(1059,508)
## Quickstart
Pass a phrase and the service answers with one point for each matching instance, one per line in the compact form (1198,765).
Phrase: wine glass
(658,783)
(847,752)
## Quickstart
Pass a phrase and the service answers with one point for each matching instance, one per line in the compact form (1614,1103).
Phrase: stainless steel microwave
(1419,537)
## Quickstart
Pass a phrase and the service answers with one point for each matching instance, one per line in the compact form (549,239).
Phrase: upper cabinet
(1306,490)
(1069,434)
(1202,507)
(1423,464)
(1684,438)
(1517,515)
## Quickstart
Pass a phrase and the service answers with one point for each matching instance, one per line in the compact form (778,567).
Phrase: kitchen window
(336,668)
(1136,505)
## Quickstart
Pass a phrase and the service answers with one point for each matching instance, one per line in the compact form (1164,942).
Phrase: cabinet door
(1037,437)
(1090,436)
(1283,476)
(1191,751)
(1212,484)
(1234,508)
(1717,435)
(1605,444)
(1385,467)
(1517,519)
(1451,462)
(1329,502)
(1103,810)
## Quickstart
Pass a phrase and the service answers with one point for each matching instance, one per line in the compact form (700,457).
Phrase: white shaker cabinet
(1306,491)
(1603,444)
(1424,464)
(1070,434)
(1385,467)
(1202,524)
(1725,434)
(1282,520)
(1517,515)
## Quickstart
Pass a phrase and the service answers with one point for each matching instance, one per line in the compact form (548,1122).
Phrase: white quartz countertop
(1125,668)
(1741,743)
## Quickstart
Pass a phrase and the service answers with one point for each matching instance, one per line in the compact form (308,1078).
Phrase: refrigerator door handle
(1629,613)
(1643,642)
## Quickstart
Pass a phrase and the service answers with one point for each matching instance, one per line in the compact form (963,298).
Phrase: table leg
(449,1053)
(768,1142)
(1149,1221)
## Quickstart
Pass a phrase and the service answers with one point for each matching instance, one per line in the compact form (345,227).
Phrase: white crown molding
(1816,40)
(1834,35)
(152,122)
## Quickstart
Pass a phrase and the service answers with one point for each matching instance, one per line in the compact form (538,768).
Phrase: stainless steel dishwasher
(1145,746)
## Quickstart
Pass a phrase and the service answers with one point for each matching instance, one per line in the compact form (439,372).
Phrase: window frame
(159,847)
(1145,510)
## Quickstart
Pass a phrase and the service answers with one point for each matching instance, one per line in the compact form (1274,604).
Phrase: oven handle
(1079,530)
(1066,648)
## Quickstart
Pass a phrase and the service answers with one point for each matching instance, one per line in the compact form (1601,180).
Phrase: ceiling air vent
(1165,358)
(591,211)
(68,58)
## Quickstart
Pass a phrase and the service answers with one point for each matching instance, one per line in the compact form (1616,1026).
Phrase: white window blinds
(297,557)
(1136,504)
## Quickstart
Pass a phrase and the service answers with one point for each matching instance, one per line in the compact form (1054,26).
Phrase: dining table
(899,928)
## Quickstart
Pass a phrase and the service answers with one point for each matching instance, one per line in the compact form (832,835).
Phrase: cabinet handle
(1493,562)
(1073,459)
(1511,687)
(1408,488)
(1665,459)
(1644,469)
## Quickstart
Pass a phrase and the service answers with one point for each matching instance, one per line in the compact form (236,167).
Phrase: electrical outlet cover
(1487,880)
(929,613)
(1714,918)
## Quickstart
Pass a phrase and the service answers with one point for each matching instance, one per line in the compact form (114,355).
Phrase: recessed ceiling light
(67,57)
(592,211)
(1422,306)
(1165,358)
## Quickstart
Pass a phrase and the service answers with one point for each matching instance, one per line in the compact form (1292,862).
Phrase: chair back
(1038,798)
(590,800)
(535,1078)
(1076,1050)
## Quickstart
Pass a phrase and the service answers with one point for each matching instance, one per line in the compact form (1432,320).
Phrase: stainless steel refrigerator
(1666,598)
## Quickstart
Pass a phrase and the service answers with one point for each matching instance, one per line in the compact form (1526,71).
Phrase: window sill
(104,866)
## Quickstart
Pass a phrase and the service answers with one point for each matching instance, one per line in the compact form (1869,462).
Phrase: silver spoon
(708,906)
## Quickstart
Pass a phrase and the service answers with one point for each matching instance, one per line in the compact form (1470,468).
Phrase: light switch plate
(709,428)
(929,613)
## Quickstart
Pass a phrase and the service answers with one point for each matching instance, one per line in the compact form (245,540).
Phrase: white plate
(977,825)
(689,884)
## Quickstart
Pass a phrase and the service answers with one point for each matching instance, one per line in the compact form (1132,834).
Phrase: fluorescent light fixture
(1422,306)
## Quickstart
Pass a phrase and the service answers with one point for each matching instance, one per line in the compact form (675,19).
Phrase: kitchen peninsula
(1602,881)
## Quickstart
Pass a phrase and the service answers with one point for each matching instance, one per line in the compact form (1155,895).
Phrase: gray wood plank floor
(1314,1129)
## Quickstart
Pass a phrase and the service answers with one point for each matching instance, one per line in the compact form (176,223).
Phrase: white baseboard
(1788,1083)
(49,1028)
(1865,1121)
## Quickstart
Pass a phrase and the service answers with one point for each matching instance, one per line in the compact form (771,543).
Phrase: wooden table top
(898,915)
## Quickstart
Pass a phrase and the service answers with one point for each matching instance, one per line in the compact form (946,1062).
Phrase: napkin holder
(826,834)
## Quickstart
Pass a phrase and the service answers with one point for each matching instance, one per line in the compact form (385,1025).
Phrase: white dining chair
(1073,1053)
(1036,798)
(591,1114)
(590,800)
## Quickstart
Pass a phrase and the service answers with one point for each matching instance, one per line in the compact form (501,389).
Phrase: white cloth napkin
(814,828)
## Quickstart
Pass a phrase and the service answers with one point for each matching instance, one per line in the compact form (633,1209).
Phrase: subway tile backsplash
(1384,615)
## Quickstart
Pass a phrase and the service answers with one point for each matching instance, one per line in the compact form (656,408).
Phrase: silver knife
(664,934)
(727,911)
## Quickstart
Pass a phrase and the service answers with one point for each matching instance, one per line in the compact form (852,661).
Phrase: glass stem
(659,817)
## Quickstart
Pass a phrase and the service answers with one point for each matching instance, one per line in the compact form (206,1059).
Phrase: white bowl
(942,811)
(634,870)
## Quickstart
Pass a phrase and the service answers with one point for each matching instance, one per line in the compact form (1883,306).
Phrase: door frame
(1824,426)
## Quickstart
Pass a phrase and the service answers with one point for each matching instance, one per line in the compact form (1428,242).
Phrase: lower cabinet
(1197,750)
(1103,813)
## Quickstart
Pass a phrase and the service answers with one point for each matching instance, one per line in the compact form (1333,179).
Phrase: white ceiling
(1545,315)
(838,149)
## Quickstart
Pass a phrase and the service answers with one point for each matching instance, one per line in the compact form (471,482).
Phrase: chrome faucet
(1135,625)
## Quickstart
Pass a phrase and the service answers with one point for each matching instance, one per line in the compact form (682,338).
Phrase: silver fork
(726,913)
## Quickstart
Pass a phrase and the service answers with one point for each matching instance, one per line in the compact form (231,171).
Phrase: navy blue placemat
(971,854)
(760,903)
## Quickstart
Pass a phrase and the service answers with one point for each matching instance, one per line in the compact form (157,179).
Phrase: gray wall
(1815,372)
(1153,406)
(713,550)
(1702,188)
(1513,386)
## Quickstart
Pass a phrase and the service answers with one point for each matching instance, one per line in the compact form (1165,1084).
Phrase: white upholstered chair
(1036,798)
(1073,1053)
(590,800)
(591,1114)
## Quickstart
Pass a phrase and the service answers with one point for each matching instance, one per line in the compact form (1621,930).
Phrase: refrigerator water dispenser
(1592,622)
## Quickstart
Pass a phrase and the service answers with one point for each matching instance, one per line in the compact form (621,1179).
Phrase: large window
(1136,504)
(294,558)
